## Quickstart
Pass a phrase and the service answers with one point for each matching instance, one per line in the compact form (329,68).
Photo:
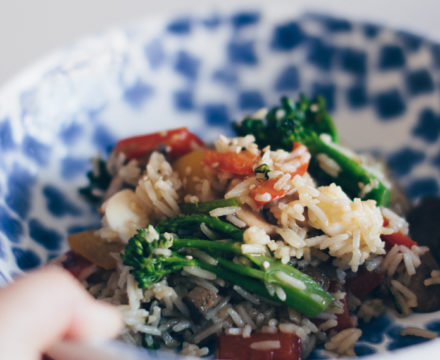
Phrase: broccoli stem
(189,222)
(151,260)
(207,206)
(231,247)
(350,175)
(308,297)
(234,277)
(310,301)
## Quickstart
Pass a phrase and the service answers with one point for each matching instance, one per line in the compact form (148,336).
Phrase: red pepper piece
(241,163)
(178,142)
(344,320)
(364,282)
(397,238)
(76,264)
(236,347)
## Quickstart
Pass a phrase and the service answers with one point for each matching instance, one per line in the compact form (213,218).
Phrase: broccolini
(309,123)
(153,253)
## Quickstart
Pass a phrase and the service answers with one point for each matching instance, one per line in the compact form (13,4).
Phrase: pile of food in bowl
(271,243)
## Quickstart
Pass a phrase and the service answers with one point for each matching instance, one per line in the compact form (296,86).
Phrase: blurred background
(31,29)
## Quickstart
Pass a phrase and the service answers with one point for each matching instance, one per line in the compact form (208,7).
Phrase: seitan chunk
(201,300)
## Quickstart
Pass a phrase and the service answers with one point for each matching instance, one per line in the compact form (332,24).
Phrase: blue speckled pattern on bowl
(205,71)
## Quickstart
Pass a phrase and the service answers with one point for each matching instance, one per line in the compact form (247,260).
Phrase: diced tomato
(397,238)
(265,191)
(178,142)
(236,347)
(364,282)
(241,163)
(77,265)
(266,187)
(344,320)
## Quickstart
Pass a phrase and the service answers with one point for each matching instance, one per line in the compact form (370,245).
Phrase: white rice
(413,331)
(198,272)
(236,144)
(399,254)
(343,342)
(215,328)
(236,318)
(211,313)
(162,252)
(290,280)
(326,325)
(404,297)
(370,309)
(182,325)
(208,285)
(224,211)
(253,249)
(246,295)
(207,231)
(280,293)
(247,330)
(434,279)
(234,220)
(266,345)
(327,164)
(205,257)
(193,350)
(233,331)
(245,316)
(352,228)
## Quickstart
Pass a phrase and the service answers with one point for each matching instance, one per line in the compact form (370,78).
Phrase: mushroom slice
(91,246)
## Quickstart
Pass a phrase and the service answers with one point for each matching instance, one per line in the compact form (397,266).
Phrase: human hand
(46,306)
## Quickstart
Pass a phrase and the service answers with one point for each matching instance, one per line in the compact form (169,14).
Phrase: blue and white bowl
(203,72)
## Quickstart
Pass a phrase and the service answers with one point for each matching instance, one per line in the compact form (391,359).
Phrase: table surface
(31,29)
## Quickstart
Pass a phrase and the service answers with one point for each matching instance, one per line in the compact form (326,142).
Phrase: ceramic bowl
(204,72)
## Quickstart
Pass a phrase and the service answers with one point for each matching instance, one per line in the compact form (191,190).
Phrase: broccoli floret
(152,254)
(308,122)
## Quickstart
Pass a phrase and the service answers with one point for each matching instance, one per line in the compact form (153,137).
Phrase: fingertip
(97,320)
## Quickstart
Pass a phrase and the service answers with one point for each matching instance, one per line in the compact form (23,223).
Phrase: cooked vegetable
(200,300)
(184,225)
(308,122)
(424,225)
(149,264)
(95,249)
(99,181)
(428,297)
(176,142)
(398,238)
(262,171)
(344,319)
(190,169)
(207,206)
(77,265)
(241,163)
(364,282)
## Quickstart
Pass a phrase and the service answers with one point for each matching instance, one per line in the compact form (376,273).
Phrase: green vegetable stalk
(152,256)
(186,224)
(309,123)
(206,206)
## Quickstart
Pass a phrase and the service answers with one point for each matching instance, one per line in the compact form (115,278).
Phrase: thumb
(46,306)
